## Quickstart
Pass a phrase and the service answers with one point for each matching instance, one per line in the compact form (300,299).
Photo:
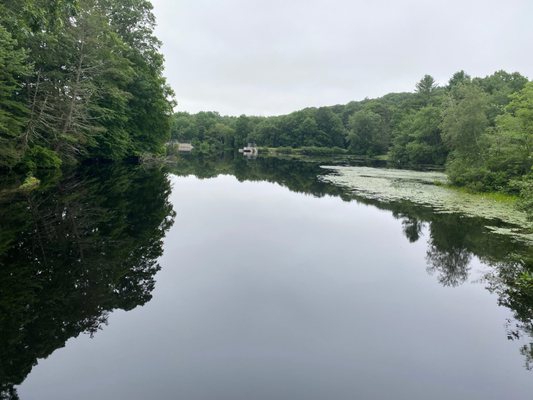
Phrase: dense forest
(83,80)
(78,80)
(480,129)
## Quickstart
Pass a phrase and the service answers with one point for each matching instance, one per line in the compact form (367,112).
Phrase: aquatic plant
(430,189)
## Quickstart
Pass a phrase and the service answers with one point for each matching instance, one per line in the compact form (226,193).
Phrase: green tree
(510,143)
(500,86)
(419,139)
(459,78)
(334,133)
(151,102)
(266,133)
(465,120)
(242,130)
(463,125)
(93,85)
(310,132)
(220,136)
(367,133)
(426,89)
(13,113)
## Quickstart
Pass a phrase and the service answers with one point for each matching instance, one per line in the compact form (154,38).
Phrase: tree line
(480,129)
(79,79)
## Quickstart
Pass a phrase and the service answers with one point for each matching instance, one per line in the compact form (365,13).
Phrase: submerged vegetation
(78,80)
(479,129)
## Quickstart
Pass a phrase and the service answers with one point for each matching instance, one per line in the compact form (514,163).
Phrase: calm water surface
(253,280)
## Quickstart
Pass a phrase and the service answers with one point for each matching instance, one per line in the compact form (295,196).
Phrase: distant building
(185,147)
(251,149)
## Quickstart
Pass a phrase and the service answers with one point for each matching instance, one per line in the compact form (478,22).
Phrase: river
(253,279)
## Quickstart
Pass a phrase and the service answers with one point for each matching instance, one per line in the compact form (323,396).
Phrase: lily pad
(429,189)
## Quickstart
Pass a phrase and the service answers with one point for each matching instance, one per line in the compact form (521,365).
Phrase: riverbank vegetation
(479,129)
(79,80)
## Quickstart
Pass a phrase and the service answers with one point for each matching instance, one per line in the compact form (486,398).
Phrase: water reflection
(72,252)
(87,243)
(453,240)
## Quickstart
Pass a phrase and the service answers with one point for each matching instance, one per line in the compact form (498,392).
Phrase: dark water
(237,279)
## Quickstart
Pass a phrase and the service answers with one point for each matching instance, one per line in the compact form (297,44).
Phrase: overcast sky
(266,57)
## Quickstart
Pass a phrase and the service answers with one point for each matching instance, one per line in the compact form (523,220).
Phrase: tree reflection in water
(71,253)
(453,240)
(88,243)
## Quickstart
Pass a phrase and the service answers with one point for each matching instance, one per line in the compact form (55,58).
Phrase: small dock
(250,149)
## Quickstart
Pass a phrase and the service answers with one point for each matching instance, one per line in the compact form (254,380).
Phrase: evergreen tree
(13,113)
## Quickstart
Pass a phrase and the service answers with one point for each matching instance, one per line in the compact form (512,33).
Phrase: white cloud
(274,56)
